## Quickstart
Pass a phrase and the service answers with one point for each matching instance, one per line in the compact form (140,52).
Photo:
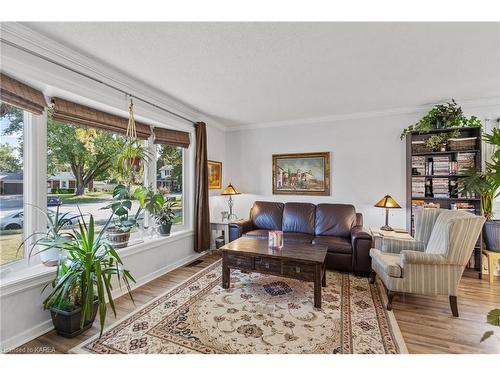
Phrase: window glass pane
(169,176)
(83,171)
(11,183)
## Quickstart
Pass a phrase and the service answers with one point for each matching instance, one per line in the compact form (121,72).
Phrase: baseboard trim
(46,326)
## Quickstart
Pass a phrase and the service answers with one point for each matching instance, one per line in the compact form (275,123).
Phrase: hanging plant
(442,116)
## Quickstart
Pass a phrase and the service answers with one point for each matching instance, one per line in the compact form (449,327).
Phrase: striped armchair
(434,262)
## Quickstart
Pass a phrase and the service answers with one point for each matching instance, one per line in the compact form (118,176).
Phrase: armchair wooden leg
(454,306)
(390,297)
(373,276)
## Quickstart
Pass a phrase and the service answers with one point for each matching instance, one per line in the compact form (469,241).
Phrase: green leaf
(493,317)
(487,335)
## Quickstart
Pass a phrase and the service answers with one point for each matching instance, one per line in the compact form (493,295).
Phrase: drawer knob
(297,269)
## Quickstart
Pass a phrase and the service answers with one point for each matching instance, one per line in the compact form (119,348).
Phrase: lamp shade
(230,190)
(387,202)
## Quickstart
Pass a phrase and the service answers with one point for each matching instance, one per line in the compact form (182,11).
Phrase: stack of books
(440,165)
(418,187)
(465,160)
(418,165)
(440,188)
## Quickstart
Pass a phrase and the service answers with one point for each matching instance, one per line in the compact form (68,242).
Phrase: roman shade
(171,137)
(73,113)
(21,95)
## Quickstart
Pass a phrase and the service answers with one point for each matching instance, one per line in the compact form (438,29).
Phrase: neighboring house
(164,180)
(64,180)
(11,183)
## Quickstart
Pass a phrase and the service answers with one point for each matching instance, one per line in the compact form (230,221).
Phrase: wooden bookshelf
(474,203)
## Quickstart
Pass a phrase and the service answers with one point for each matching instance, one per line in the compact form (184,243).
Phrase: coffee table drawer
(268,265)
(299,270)
(234,260)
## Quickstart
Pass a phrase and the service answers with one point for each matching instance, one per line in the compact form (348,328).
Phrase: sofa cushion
(267,215)
(339,245)
(261,234)
(299,217)
(388,263)
(290,237)
(334,219)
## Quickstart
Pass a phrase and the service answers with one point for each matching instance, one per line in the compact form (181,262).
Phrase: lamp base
(386,227)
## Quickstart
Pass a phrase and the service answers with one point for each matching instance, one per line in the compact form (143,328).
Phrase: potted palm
(84,281)
(487,184)
(166,216)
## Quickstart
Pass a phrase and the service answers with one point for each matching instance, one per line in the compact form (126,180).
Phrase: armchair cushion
(396,245)
(386,263)
(417,257)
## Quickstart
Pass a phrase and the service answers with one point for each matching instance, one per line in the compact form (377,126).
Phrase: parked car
(15,219)
(53,201)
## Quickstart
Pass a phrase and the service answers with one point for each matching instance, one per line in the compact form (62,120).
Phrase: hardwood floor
(425,322)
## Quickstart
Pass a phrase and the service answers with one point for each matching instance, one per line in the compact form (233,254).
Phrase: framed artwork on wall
(214,174)
(302,174)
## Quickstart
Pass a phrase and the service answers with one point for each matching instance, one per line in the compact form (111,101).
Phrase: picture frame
(214,174)
(302,173)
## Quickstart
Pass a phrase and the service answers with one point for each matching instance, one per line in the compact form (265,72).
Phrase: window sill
(36,275)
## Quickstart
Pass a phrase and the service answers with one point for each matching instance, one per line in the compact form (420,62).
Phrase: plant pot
(117,238)
(164,229)
(492,235)
(135,163)
(67,323)
(50,258)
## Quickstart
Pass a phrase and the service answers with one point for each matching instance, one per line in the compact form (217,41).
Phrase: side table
(378,235)
(493,257)
(222,226)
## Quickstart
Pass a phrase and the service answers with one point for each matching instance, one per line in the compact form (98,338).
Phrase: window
(82,170)
(169,176)
(11,183)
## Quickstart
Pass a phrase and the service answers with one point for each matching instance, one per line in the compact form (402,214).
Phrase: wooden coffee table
(298,261)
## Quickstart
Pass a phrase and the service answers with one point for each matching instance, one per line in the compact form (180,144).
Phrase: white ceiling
(248,73)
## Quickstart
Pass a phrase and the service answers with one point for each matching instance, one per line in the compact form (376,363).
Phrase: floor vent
(194,263)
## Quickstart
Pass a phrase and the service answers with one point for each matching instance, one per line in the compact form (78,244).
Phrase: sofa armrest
(239,227)
(397,245)
(418,257)
(361,241)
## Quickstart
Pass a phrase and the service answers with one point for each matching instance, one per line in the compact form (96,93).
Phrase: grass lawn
(95,197)
(9,242)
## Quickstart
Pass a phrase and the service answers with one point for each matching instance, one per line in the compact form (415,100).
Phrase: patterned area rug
(258,314)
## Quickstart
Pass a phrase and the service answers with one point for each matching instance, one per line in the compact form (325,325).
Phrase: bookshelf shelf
(438,172)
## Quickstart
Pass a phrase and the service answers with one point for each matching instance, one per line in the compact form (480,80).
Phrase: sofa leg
(454,306)
(390,297)
(373,276)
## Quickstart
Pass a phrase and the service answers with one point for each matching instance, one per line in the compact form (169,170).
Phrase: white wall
(216,150)
(367,161)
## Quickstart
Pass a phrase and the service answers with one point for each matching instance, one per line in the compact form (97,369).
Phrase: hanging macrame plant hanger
(131,138)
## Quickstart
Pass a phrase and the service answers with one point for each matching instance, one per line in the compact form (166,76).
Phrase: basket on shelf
(462,144)
(419,147)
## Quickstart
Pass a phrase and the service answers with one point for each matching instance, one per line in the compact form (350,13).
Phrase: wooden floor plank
(425,322)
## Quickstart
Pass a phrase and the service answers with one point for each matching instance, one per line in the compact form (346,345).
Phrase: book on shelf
(463,206)
(418,165)
(418,187)
(440,188)
(440,165)
(465,161)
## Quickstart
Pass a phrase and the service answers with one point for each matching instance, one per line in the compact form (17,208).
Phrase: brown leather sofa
(336,225)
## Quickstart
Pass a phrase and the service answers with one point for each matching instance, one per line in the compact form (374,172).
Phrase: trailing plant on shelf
(437,141)
(84,280)
(442,116)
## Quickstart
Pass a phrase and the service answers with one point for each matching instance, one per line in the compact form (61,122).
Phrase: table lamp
(387,202)
(230,191)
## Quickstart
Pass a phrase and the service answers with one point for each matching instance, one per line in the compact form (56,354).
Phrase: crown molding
(26,37)
(469,103)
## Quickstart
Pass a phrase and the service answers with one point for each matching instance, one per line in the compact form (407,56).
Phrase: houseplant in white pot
(166,216)
(487,184)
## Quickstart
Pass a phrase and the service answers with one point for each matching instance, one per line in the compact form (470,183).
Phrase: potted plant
(442,116)
(165,217)
(149,200)
(487,184)
(131,160)
(119,233)
(84,280)
(49,242)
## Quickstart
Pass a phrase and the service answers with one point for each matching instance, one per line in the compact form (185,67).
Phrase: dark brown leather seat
(336,225)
